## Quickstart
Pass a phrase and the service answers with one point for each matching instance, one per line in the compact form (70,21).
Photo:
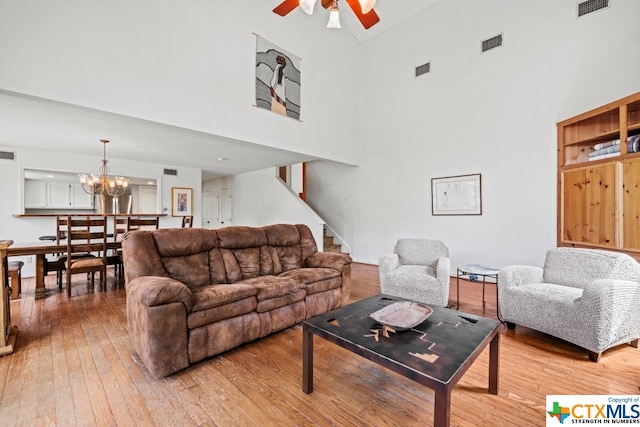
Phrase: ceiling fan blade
(367,20)
(327,3)
(286,6)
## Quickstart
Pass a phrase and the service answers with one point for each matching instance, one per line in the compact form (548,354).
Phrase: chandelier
(101,183)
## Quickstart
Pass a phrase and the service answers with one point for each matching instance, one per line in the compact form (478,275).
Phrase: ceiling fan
(362,8)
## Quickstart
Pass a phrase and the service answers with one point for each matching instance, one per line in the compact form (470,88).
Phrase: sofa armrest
(612,309)
(152,291)
(336,261)
(608,296)
(443,270)
(157,310)
(388,263)
(516,275)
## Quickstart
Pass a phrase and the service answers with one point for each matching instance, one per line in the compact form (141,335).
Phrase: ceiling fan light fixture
(334,16)
(307,6)
(366,5)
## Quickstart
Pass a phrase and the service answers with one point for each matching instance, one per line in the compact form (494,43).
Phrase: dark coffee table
(436,353)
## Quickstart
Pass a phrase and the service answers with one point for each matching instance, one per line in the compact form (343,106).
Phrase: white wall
(260,198)
(27,230)
(491,113)
(189,65)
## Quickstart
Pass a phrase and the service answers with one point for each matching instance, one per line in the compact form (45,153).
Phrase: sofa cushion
(239,237)
(290,257)
(170,243)
(217,273)
(285,239)
(248,260)
(288,299)
(192,270)
(420,251)
(578,267)
(203,317)
(315,279)
(269,287)
(206,297)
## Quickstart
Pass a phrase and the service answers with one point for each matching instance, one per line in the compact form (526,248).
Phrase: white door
(211,208)
(148,199)
(225,207)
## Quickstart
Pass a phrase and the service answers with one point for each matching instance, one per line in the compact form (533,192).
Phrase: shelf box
(601,128)
(633,115)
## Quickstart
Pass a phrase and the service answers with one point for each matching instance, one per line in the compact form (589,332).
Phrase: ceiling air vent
(423,69)
(7,155)
(173,172)
(590,6)
(492,43)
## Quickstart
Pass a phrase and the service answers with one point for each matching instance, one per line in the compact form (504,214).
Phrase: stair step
(332,248)
(328,243)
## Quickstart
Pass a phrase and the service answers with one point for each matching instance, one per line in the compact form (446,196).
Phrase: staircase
(329,244)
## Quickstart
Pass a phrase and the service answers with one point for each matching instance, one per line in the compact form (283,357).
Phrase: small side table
(472,271)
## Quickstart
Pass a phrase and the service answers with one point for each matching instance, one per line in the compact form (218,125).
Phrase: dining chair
(87,235)
(58,262)
(115,257)
(146,223)
(187,221)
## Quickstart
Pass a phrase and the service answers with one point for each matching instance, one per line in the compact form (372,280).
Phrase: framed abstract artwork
(456,195)
(181,201)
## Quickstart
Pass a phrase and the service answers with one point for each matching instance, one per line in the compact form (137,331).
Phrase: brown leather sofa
(193,293)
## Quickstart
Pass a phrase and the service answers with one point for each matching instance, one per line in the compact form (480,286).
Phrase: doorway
(211,208)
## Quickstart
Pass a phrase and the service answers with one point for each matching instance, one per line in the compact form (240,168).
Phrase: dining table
(40,250)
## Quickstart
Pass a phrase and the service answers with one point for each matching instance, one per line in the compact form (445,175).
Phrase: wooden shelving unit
(599,197)
(7,332)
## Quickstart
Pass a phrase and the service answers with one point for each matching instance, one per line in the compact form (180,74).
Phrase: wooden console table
(8,333)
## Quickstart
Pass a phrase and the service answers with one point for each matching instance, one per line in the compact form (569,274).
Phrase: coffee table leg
(307,360)
(494,362)
(442,408)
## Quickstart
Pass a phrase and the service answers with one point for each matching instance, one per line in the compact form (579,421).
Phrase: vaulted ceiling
(40,124)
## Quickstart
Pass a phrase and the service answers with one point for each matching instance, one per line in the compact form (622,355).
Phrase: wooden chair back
(187,221)
(61,228)
(86,235)
(119,227)
(144,223)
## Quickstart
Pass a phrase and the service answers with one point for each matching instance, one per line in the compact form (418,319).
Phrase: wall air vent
(423,69)
(590,6)
(173,172)
(492,43)
(7,155)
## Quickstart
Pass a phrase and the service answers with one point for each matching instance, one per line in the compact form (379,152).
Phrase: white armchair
(587,297)
(418,269)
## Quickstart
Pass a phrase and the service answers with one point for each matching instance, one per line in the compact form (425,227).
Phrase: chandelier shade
(334,16)
(307,6)
(366,5)
(102,183)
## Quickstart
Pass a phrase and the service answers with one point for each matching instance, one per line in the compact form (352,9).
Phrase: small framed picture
(456,195)
(181,201)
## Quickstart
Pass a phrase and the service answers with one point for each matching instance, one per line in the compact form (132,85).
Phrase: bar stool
(15,273)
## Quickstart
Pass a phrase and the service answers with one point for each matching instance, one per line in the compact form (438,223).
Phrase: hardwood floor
(73,365)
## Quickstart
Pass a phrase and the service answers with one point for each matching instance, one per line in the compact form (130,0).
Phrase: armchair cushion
(419,270)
